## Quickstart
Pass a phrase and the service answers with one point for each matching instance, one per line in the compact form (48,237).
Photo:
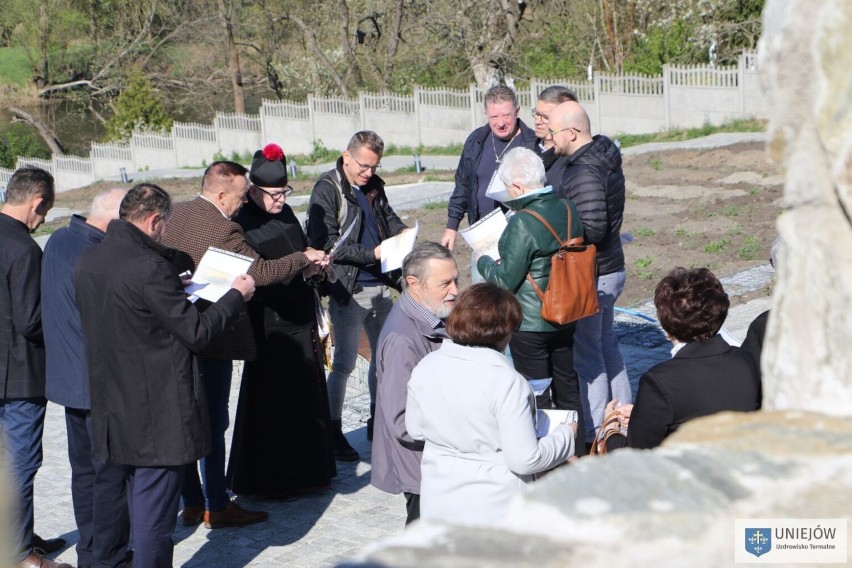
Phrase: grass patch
(681,232)
(754,191)
(14,66)
(731,211)
(749,249)
(643,267)
(737,125)
(716,246)
(656,164)
(450,150)
(435,205)
(644,232)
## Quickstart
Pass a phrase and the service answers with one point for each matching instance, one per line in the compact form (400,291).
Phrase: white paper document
(548,419)
(496,190)
(395,249)
(539,385)
(484,235)
(215,274)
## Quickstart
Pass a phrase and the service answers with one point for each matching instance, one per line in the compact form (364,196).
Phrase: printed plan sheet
(484,235)
(396,248)
(215,274)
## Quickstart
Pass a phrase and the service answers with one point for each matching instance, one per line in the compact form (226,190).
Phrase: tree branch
(46,133)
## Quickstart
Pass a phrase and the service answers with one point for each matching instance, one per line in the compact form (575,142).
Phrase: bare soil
(715,208)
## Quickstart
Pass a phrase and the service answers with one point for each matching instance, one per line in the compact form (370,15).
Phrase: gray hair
(556,94)
(416,261)
(105,205)
(522,166)
(500,94)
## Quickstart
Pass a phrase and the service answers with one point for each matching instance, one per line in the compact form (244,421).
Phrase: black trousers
(99,495)
(412,507)
(153,497)
(538,355)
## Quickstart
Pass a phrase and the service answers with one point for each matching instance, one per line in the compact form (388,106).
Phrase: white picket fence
(683,97)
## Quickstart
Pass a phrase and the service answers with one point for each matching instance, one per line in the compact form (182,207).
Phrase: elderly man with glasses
(349,212)
(594,181)
(483,151)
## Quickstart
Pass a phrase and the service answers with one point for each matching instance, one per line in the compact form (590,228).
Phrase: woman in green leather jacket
(539,348)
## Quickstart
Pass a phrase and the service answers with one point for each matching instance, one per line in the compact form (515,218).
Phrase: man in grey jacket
(414,328)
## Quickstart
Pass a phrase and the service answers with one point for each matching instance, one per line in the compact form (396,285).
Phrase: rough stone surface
(805,58)
(661,507)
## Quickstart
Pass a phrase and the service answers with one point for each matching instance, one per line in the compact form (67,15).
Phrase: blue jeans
(153,494)
(597,359)
(22,423)
(369,309)
(216,376)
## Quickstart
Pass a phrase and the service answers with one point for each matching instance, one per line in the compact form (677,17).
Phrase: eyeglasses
(555,132)
(276,195)
(365,167)
(540,115)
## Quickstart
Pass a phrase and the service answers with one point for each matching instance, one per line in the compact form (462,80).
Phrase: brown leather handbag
(572,291)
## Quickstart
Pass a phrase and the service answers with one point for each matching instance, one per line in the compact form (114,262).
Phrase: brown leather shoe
(36,560)
(233,516)
(47,546)
(192,516)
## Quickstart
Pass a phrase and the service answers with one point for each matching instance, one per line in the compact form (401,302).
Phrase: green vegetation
(737,125)
(716,246)
(749,249)
(138,107)
(681,232)
(20,140)
(644,232)
(14,66)
(435,205)
(731,211)
(656,164)
(643,267)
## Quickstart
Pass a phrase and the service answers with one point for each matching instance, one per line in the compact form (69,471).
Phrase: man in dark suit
(97,488)
(29,196)
(194,227)
(141,333)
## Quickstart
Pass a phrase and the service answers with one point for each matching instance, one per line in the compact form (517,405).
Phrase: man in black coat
(481,155)
(594,181)
(141,333)
(29,196)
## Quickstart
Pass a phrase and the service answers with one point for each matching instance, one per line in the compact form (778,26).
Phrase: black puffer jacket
(593,180)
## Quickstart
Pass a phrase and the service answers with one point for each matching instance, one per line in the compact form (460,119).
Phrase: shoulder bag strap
(541,219)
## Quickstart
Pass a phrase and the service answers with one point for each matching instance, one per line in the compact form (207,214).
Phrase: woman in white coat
(476,415)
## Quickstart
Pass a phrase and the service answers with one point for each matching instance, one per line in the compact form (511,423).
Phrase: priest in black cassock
(282,440)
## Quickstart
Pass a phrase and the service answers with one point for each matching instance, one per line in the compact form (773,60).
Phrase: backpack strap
(575,242)
(569,242)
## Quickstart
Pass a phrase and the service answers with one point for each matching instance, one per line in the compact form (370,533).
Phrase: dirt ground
(715,208)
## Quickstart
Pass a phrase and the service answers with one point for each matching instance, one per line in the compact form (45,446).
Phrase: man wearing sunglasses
(594,181)
(349,212)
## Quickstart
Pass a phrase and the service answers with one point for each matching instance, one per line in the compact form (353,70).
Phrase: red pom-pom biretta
(273,152)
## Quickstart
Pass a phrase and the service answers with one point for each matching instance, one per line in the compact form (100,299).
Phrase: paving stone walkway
(328,526)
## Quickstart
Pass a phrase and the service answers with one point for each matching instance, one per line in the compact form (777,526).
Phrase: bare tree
(226,13)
